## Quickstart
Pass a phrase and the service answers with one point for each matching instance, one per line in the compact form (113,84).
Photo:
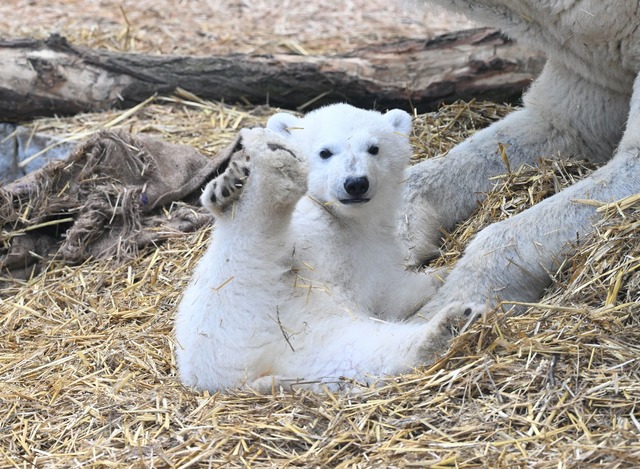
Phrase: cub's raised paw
(279,169)
(262,165)
(223,191)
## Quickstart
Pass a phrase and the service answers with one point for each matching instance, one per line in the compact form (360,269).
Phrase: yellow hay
(87,370)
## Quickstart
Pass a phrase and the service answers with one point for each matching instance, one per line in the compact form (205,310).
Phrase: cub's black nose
(356,187)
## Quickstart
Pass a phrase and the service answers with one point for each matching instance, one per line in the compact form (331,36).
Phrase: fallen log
(47,77)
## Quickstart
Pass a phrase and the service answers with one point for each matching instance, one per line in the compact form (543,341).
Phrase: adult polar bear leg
(512,260)
(563,114)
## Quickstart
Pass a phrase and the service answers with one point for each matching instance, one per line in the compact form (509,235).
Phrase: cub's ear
(400,120)
(282,123)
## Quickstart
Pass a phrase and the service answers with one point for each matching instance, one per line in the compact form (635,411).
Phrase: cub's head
(356,157)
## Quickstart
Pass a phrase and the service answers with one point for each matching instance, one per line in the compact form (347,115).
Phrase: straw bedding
(88,374)
(87,369)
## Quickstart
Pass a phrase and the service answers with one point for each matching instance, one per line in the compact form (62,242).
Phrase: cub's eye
(373,150)
(324,154)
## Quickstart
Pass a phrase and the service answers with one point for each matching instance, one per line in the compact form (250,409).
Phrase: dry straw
(87,374)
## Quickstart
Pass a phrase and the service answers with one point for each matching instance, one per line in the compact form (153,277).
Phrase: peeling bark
(47,77)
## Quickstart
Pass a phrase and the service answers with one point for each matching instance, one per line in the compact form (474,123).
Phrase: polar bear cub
(303,283)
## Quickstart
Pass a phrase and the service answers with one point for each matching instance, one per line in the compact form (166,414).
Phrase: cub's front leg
(225,319)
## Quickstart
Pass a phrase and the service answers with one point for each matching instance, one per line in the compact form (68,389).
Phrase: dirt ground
(202,27)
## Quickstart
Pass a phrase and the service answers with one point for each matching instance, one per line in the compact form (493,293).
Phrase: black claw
(467,312)
(245,170)
(237,147)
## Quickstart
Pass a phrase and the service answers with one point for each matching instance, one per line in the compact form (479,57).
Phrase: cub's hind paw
(223,191)
(458,316)
(447,323)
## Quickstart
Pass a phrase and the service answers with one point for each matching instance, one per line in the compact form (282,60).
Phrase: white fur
(302,289)
(584,104)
